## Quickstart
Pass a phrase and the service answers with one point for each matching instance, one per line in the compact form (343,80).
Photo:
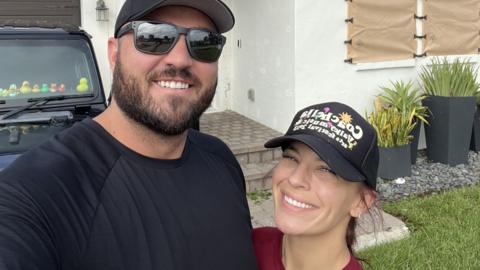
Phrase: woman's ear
(366,200)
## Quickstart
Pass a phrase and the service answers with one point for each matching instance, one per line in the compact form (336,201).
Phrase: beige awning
(452,27)
(381,30)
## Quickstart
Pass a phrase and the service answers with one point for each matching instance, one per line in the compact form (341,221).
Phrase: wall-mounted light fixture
(102,11)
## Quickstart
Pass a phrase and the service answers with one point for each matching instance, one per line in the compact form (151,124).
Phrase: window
(39,68)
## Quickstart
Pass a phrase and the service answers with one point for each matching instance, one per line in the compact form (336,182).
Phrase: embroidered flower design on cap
(338,127)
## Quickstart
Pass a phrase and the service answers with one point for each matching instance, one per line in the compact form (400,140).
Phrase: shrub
(458,78)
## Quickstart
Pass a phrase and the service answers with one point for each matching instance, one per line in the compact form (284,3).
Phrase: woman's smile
(296,203)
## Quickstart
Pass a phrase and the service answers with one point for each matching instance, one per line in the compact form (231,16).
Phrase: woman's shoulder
(354,264)
(267,242)
(266,234)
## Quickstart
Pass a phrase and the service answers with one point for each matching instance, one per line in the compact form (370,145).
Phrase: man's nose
(179,55)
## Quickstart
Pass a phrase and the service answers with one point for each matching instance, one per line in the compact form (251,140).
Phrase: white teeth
(296,203)
(174,85)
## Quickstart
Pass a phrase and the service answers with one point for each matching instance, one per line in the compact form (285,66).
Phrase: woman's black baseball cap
(340,136)
(216,10)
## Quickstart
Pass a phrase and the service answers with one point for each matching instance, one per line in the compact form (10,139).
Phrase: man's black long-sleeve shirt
(84,201)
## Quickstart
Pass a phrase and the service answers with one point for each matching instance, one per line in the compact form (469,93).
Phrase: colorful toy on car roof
(36,88)
(82,85)
(25,88)
(44,88)
(53,87)
(12,90)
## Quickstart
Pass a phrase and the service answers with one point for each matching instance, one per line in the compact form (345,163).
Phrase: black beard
(138,105)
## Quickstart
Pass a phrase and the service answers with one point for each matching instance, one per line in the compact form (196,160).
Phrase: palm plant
(406,98)
(458,78)
(393,127)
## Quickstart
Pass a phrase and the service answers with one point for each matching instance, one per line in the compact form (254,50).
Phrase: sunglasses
(161,37)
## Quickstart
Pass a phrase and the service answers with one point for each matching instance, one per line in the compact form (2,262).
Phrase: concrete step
(258,175)
(256,154)
(246,138)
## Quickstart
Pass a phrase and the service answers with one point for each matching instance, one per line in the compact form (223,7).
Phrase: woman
(325,180)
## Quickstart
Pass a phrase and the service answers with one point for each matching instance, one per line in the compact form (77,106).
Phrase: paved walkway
(237,131)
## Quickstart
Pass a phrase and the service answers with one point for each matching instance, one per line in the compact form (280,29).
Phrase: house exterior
(281,56)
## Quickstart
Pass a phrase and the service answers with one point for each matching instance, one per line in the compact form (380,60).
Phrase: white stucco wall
(100,32)
(321,75)
(293,54)
(264,61)
(222,100)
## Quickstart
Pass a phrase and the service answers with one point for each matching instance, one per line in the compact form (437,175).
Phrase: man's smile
(173,84)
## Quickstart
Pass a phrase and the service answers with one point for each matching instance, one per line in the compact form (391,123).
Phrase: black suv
(49,79)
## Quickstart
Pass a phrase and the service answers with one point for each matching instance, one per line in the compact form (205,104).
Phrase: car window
(37,68)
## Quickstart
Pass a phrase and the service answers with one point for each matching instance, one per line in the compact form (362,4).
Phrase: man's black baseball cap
(216,10)
(340,136)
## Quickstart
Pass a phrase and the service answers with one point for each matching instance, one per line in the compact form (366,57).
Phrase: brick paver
(237,131)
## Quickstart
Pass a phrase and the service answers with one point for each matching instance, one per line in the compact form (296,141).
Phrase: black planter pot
(475,141)
(394,162)
(450,128)
(414,144)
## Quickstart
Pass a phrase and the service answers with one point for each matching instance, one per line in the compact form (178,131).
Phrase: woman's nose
(299,177)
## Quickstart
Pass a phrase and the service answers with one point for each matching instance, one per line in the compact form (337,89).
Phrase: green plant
(259,196)
(393,127)
(458,78)
(405,98)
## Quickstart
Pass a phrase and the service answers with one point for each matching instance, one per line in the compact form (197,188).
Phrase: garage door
(48,11)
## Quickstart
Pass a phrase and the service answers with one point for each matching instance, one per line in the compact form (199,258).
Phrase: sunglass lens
(155,38)
(205,46)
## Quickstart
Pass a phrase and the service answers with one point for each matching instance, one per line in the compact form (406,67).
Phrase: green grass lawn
(445,233)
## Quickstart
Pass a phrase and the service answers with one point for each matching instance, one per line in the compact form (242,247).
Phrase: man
(133,188)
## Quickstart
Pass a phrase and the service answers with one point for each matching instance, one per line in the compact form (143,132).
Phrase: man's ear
(113,46)
(366,200)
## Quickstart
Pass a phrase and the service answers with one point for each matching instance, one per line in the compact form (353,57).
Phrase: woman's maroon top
(268,250)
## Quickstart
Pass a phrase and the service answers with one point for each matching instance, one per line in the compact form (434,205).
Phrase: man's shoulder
(55,189)
(68,157)
(211,144)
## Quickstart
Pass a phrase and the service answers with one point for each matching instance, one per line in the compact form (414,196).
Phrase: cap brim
(325,151)
(217,11)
